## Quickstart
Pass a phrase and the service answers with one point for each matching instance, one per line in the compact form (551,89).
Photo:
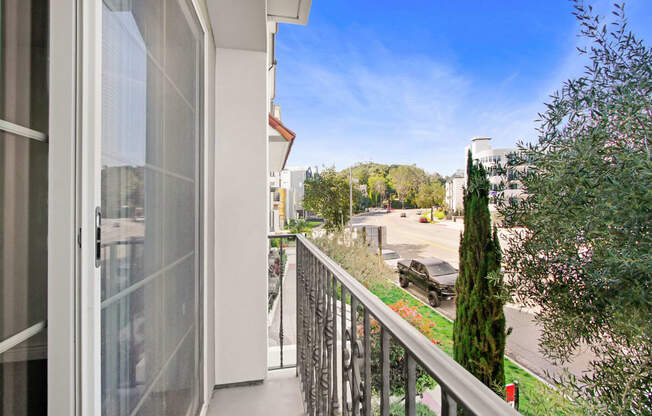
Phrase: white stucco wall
(241,222)
(455,193)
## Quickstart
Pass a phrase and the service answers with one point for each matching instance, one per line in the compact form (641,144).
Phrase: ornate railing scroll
(334,313)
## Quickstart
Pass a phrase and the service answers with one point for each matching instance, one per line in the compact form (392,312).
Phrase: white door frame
(74,313)
(208,209)
(90,114)
(73,192)
(63,276)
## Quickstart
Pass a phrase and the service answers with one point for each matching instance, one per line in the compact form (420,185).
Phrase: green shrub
(359,260)
(398,409)
(397,356)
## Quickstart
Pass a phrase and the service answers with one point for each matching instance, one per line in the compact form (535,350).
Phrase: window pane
(23,273)
(23,207)
(24,63)
(23,380)
(23,233)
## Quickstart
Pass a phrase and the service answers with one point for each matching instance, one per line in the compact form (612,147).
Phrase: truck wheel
(433,299)
(404,282)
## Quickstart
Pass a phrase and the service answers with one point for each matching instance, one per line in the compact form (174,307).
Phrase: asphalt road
(410,239)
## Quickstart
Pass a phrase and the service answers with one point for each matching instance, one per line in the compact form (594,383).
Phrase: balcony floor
(277,395)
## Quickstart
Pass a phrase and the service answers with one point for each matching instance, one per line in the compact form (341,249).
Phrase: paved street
(410,239)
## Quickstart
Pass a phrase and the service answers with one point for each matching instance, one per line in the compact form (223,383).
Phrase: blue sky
(373,81)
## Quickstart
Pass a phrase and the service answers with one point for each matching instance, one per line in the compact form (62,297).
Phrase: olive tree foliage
(580,245)
(327,194)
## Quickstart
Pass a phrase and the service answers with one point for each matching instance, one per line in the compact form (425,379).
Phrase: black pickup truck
(434,276)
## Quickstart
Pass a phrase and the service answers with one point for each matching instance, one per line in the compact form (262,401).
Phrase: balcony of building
(320,351)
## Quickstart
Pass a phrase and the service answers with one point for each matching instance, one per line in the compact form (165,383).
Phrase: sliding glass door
(23,206)
(150,201)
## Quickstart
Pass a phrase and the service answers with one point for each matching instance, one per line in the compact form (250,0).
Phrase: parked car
(391,258)
(403,215)
(423,220)
(419,212)
(435,276)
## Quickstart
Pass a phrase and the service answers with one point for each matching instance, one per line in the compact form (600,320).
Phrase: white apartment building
(455,191)
(292,180)
(502,181)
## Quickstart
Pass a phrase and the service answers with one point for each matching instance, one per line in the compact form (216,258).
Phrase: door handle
(98,237)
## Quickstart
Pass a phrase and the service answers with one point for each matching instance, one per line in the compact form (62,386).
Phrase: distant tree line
(374,185)
(399,185)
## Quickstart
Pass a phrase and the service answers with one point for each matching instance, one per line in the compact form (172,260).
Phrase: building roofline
(286,133)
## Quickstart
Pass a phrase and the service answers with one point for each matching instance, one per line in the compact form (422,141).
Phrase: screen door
(150,198)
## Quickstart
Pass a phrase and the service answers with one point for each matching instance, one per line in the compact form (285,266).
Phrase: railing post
(328,332)
(281,276)
(385,383)
(325,329)
(345,396)
(367,364)
(301,364)
(299,256)
(311,337)
(316,352)
(307,334)
(354,381)
(411,386)
(305,357)
(321,350)
(334,399)
(448,405)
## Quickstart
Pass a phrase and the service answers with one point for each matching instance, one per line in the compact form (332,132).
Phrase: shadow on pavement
(408,251)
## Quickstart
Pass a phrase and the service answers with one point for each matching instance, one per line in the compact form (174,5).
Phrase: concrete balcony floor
(277,395)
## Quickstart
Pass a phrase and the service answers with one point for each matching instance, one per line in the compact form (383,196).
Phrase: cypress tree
(479,329)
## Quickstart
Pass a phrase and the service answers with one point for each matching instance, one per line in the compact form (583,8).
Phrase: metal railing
(280,239)
(323,288)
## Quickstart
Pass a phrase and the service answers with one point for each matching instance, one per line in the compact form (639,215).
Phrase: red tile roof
(286,133)
(277,125)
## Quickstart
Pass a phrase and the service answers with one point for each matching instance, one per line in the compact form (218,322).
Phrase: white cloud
(352,99)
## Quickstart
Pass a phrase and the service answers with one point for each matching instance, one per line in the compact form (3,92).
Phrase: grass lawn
(536,398)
